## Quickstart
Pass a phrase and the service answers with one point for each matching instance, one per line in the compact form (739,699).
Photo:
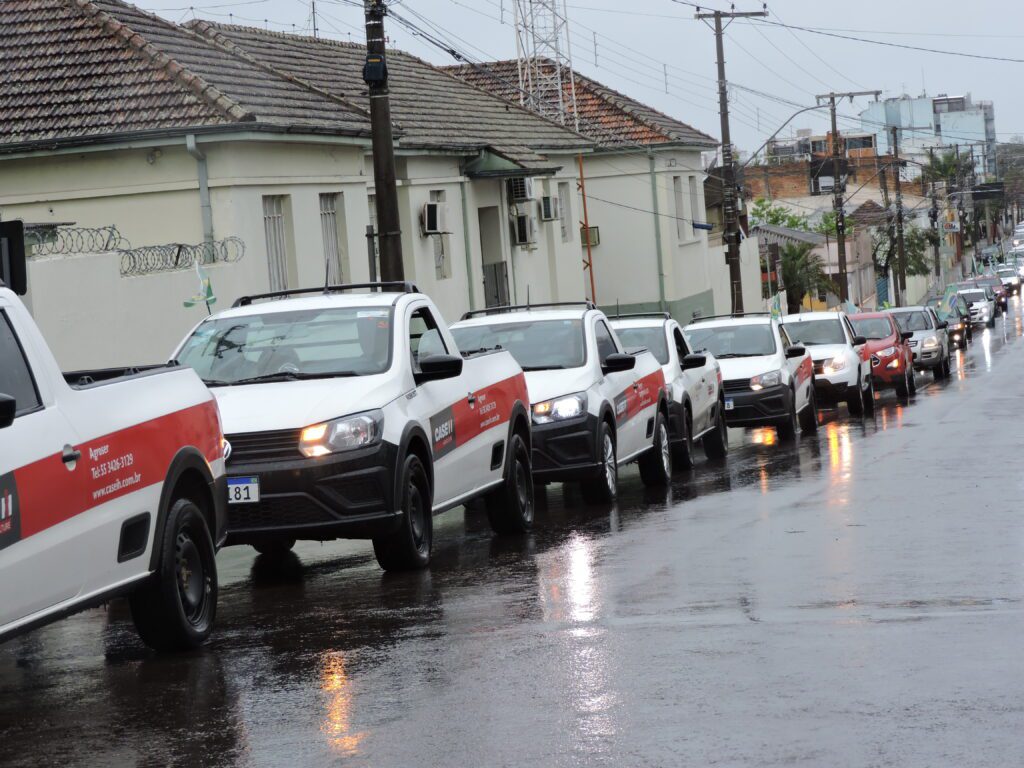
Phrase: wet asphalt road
(854,600)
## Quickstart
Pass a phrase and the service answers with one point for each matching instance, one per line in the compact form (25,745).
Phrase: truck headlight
(770,379)
(560,408)
(359,431)
(930,343)
(834,365)
(887,352)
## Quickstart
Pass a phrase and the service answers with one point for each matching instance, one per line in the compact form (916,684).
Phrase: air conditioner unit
(520,189)
(550,208)
(433,219)
(522,229)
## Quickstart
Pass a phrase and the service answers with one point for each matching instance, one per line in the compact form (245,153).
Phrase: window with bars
(329,226)
(442,243)
(275,229)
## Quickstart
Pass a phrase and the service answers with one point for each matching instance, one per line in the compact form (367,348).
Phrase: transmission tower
(544,53)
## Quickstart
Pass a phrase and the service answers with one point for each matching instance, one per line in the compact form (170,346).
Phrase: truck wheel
(408,548)
(809,415)
(869,396)
(787,428)
(855,398)
(903,387)
(991,322)
(913,380)
(716,442)
(274,548)
(175,609)
(510,506)
(682,450)
(656,463)
(604,487)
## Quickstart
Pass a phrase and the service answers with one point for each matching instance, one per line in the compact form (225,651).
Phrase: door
(800,370)
(495,268)
(618,388)
(695,381)
(33,555)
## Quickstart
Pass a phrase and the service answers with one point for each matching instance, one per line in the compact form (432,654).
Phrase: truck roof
(319,301)
(714,322)
(820,315)
(519,316)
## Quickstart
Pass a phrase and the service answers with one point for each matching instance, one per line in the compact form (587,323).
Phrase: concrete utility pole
(837,188)
(730,214)
(375,74)
(934,216)
(889,228)
(900,244)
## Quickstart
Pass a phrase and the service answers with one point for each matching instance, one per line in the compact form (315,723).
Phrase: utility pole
(730,213)
(316,32)
(933,214)
(889,229)
(900,244)
(375,74)
(837,188)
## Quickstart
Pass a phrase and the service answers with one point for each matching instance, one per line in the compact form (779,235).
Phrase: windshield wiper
(544,367)
(291,376)
(725,355)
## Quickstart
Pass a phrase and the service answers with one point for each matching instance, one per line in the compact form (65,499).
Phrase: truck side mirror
(13,271)
(906,336)
(617,362)
(8,407)
(437,367)
(943,325)
(797,350)
(694,361)
(859,341)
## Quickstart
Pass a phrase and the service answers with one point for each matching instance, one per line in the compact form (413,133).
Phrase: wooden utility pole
(375,74)
(729,210)
(933,214)
(588,264)
(901,250)
(837,187)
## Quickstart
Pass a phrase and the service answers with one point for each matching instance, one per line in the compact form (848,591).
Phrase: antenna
(544,58)
(618,310)
(527,296)
(327,273)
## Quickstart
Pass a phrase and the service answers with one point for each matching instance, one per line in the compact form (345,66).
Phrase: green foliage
(946,167)
(827,225)
(803,272)
(764,212)
(918,244)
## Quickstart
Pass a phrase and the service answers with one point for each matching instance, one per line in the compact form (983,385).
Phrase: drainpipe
(465,240)
(657,231)
(204,188)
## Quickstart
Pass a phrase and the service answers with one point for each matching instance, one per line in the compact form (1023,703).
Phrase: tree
(917,244)
(803,272)
(764,212)
(948,168)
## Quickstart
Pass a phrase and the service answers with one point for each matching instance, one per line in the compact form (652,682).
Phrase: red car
(892,361)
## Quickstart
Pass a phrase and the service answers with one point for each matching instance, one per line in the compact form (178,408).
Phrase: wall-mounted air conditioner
(433,219)
(522,229)
(520,189)
(550,208)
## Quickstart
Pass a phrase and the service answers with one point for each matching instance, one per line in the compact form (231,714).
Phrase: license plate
(729,404)
(243,490)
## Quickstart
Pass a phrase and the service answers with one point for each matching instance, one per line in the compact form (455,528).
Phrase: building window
(565,203)
(275,227)
(331,229)
(680,207)
(695,206)
(442,242)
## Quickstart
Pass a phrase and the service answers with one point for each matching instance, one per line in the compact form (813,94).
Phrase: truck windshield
(651,338)
(811,332)
(872,327)
(912,321)
(973,296)
(311,343)
(741,340)
(536,345)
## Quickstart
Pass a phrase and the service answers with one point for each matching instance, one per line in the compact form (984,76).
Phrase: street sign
(950,227)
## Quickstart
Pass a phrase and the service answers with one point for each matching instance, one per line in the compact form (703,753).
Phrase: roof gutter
(205,206)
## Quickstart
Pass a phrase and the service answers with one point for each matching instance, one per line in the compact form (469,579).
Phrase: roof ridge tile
(178,72)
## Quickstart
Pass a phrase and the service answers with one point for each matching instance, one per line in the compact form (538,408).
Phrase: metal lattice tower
(544,53)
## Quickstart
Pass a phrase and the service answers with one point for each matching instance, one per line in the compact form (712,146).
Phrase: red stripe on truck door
(112,466)
(476,413)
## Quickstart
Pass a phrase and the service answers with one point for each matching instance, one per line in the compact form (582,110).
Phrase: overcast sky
(635,46)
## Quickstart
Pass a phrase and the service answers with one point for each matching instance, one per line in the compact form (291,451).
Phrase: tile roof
(431,107)
(605,115)
(75,69)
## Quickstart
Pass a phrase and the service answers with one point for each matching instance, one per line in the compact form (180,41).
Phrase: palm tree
(803,272)
(947,167)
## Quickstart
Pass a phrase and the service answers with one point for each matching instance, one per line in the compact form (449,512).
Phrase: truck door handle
(471,399)
(636,386)
(70,455)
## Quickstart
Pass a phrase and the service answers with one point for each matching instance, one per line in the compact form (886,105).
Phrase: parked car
(768,380)
(842,371)
(111,484)
(982,303)
(694,384)
(351,413)
(892,361)
(595,408)
(929,341)
(959,328)
(998,289)
(1010,279)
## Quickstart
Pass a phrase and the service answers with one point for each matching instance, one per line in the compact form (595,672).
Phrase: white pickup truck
(111,483)
(594,407)
(694,382)
(351,413)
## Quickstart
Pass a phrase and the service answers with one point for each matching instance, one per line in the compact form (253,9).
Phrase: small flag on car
(205,295)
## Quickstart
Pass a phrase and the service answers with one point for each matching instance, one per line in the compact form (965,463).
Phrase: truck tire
(510,506)
(274,548)
(408,547)
(603,488)
(656,463)
(716,442)
(869,396)
(176,607)
(855,398)
(809,415)
(682,450)
(787,427)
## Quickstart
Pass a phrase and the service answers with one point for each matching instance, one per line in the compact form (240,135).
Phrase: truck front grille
(736,385)
(248,447)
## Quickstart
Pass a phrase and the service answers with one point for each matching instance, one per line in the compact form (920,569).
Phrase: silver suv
(930,342)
